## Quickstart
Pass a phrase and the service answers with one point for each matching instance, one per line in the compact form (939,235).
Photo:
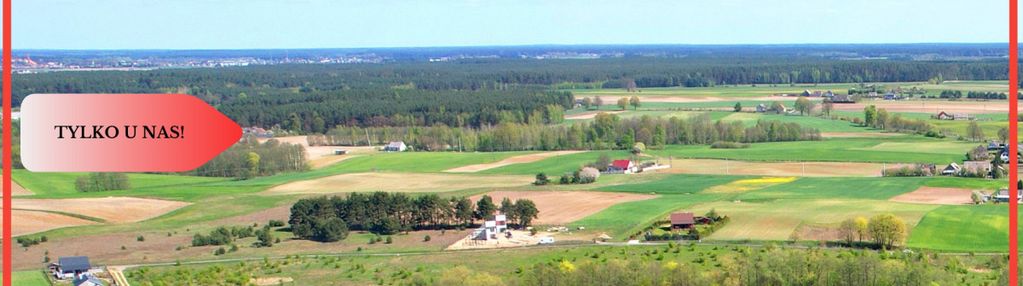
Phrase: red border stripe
(7,241)
(1013,164)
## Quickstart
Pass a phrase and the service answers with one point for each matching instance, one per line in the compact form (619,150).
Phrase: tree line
(956,94)
(98,182)
(880,118)
(331,218)
(606,131)
(250,158)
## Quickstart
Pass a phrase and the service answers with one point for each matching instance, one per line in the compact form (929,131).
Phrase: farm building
(622,166)
(995,145)
(977,167)
(953,116)
(1002,196)
(87,280)
(70,267)
(761,108)
(892,96)
(682,220)
(842,98)
(395,146)
(258,132)
(951,169)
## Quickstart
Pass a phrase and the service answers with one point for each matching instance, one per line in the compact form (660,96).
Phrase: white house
(491,228)
(70,267)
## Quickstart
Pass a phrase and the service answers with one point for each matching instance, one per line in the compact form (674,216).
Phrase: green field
(773,212)
(834,150)
(29,278)
(963,228)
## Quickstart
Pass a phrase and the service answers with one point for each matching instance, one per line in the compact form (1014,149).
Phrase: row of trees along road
(330,218)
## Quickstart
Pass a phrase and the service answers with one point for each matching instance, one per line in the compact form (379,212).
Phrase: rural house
(951,169)
(491,228)
(682,220)
(622,166)
(70,267)
(395,146)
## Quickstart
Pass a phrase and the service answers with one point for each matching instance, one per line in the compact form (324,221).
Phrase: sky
(277,24)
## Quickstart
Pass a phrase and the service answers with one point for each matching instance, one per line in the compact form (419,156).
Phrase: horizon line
(519,45)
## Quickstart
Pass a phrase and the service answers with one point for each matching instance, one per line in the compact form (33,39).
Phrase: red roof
(621,164)
(682,218)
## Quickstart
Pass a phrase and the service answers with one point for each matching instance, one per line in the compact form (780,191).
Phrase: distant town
(36,61)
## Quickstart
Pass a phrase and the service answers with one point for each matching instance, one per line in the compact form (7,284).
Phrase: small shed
(682,220)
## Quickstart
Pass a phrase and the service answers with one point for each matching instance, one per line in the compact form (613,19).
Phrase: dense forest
(310,98)
(607,131)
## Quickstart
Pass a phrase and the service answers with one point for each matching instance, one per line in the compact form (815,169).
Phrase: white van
(546,240)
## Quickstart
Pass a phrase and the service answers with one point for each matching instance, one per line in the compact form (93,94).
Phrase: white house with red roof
(622,166)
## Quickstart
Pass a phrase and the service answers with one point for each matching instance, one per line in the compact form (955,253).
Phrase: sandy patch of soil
(934,195)
(266,281)
(518,238)
(398,182)
(110,209)
(969,107)
(321,156)
(777,169)
(29,222)
(859,134)
(18,190)
(522,159)
(281,213)
(562,207)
